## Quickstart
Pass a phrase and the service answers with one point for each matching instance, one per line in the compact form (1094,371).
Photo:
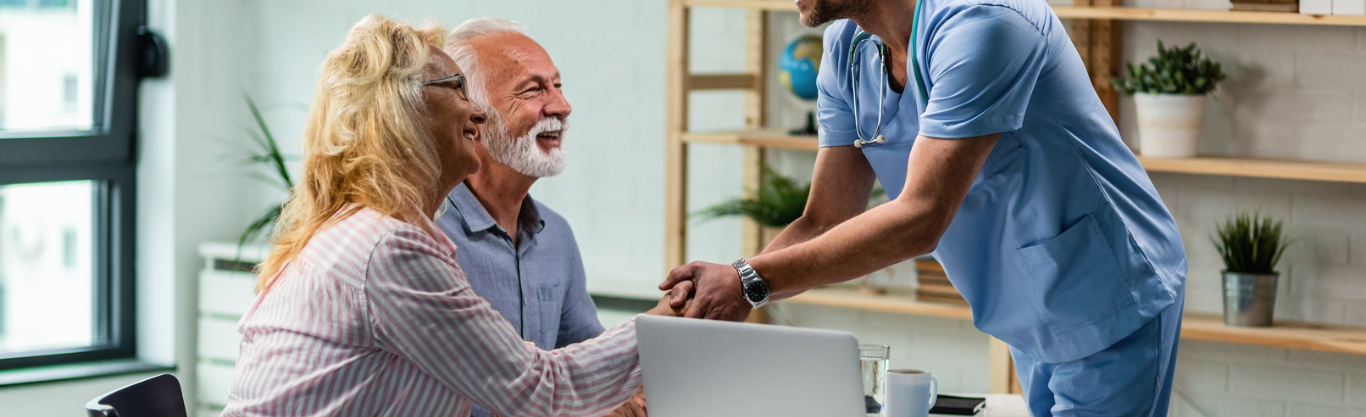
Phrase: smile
(552,135)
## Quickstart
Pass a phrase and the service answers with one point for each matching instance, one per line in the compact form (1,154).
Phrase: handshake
(703,290)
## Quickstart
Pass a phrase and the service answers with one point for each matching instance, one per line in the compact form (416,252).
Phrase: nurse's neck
(891,21)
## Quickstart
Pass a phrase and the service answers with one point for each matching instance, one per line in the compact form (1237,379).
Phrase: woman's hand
(667,303)
(635,407)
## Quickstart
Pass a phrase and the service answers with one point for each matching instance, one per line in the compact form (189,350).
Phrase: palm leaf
(272,149)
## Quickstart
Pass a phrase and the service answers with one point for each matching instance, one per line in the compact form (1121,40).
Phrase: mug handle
(934,391)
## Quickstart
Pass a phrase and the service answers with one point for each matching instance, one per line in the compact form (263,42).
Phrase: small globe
(799,64)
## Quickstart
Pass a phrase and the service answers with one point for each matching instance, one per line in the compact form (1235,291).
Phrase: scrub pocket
(549,302)
(1077,280)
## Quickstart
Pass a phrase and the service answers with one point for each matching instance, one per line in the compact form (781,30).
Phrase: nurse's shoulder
(838,36)
(1036,13)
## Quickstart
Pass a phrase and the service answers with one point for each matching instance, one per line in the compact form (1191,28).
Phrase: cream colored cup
(910,393)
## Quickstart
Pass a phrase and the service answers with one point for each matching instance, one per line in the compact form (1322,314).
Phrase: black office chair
(158,396)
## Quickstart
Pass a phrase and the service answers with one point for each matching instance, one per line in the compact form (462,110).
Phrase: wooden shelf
(1195,326)
(1112,13)
(1285,334)
(1205,16)
(896,301)
(1260,168)
(1203,165)
(764,138)
(771,5)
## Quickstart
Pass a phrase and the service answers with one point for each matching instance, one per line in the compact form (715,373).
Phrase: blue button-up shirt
(1062,246)
(538,286)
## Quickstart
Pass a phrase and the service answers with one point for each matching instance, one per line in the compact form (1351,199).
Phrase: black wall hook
(155,59)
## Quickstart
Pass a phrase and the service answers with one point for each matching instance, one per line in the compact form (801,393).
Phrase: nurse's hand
(716,291)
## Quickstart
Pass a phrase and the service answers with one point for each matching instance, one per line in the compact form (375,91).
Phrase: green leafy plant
(267,154)
(778,202)
(1250,243)
(1174,70)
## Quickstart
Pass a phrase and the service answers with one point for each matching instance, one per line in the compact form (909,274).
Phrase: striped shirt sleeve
(423,309)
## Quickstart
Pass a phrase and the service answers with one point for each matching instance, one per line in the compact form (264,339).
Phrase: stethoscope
(881,92)
(861,36)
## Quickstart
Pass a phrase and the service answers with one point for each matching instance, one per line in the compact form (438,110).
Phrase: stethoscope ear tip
(880,139)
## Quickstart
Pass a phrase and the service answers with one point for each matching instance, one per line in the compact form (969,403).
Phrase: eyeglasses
(456,81)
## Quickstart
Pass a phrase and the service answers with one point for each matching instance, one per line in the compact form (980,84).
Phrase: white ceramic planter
(1349,7)
(1169,124)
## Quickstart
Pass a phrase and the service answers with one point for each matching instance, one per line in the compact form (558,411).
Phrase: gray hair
(459,48)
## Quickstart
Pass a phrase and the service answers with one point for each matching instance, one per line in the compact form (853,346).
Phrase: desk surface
(999,405)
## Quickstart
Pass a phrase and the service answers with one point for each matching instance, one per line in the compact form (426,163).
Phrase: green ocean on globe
(799,64)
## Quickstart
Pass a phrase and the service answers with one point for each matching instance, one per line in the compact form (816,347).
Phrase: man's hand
(634,407)
(716,291)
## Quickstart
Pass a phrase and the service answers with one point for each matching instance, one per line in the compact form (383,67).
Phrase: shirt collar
(477,218)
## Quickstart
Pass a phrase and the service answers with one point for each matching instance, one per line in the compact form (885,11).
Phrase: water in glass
(873,360)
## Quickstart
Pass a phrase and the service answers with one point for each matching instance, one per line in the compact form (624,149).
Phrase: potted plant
(1250,245)
(778,202)
(1170,92)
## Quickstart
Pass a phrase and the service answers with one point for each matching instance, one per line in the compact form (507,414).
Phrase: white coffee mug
(910,393)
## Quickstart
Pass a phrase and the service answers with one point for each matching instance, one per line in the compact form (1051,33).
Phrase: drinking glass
(873,360)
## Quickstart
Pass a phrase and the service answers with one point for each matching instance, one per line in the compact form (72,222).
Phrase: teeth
(469,135)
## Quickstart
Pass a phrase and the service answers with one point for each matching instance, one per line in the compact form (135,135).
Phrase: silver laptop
(718,369)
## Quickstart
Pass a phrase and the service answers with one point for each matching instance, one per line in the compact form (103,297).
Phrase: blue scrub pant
(1133,377)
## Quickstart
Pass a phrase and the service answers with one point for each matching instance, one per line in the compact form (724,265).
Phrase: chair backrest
(158,396)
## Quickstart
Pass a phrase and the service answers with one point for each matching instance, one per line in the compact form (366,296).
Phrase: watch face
(756,291)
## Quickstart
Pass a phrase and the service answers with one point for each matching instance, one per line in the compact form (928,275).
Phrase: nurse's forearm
(800,231)
(939,174)
(881,237)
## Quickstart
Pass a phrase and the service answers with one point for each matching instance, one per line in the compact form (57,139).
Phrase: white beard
(523,154)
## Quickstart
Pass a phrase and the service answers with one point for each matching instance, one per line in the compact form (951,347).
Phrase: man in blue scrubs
(981,122)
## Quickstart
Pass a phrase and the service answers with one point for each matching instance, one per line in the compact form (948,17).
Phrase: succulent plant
(1250,243)
(1174,70)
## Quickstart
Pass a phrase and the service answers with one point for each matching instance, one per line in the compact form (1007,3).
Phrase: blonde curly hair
(366,142)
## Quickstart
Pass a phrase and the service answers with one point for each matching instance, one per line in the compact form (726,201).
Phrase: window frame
(106,155)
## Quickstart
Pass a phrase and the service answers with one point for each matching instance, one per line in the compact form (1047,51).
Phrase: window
(67,109)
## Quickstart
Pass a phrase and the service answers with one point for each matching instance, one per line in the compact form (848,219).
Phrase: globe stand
(809,129)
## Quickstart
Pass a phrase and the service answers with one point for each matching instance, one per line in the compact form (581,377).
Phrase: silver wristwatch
(752,286)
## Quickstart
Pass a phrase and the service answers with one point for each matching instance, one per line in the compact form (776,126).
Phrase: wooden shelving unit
(1100,12)
(1095,32)
(895,301)
(1196,326)
(1260,168)
(1206,16)
(1204,165)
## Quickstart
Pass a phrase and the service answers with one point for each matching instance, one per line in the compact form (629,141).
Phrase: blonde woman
(362,309)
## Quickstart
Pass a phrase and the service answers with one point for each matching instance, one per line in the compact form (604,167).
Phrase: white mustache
(549,124)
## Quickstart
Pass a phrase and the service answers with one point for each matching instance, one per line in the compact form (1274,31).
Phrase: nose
(477,115)
(558,106)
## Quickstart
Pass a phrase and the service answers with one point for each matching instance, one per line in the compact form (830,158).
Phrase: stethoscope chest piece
(879,139)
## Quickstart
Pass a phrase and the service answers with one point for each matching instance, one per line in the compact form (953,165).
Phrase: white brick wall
(1215,379)
(1295,92)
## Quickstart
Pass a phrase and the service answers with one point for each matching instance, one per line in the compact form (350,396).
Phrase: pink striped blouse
(375,318)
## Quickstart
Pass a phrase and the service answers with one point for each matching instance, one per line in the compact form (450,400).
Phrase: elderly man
(518,254)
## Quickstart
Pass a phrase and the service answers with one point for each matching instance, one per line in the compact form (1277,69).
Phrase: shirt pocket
(549,302)
(1076,278)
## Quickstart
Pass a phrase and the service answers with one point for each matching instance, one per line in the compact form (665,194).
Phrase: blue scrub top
(1062,246)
